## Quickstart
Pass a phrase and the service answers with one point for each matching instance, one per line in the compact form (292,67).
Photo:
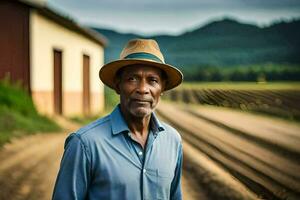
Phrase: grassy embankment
(18,116)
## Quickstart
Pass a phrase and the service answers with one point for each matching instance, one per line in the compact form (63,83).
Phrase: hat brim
(108,72)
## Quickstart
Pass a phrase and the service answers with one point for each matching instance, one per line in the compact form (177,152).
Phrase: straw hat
(143,52)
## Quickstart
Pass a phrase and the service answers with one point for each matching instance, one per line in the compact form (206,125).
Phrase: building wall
(14,42)
(45,36)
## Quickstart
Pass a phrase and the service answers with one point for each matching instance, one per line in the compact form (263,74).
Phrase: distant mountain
(116,42)
(221,43)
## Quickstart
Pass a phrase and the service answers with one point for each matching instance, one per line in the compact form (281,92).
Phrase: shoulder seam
(97,123)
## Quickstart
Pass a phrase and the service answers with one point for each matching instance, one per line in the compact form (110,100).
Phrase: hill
(221,43)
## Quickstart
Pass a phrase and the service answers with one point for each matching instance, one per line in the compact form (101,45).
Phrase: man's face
(140,88)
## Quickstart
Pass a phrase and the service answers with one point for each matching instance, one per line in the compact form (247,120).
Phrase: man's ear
(163,85)
(117,85)
(117,89)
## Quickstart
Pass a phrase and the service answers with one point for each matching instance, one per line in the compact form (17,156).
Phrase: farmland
(278,99)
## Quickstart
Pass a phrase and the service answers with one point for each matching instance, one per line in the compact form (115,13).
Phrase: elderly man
(129,154)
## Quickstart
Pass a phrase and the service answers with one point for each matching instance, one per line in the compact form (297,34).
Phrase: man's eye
(131,79)
(153,80)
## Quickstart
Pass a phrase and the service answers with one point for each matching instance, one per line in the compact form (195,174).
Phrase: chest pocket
(160,181)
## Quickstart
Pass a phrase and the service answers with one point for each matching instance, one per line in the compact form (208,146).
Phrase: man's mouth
(142,101)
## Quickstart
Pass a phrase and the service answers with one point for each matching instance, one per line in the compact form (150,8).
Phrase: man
(130,154)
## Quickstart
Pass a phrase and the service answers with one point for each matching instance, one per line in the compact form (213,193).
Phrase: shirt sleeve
(176,193)
(74,174)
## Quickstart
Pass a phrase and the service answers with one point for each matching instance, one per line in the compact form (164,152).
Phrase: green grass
(242,85)
(18,116)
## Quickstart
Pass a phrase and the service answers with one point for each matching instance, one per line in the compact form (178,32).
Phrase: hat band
(147,56)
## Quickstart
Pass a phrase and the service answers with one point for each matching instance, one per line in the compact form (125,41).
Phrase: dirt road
(28,167)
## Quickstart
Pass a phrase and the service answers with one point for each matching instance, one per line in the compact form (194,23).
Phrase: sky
(150,17)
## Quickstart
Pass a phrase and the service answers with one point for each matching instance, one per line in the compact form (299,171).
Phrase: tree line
(260,73)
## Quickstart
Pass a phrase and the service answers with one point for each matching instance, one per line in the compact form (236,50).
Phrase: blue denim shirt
(101,161)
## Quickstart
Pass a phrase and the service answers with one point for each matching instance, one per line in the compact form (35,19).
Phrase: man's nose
(143,87)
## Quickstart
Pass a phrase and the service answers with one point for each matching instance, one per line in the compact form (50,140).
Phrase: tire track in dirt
(283,135)
(209,180)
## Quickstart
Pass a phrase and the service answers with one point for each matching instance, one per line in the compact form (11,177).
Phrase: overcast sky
(173,16)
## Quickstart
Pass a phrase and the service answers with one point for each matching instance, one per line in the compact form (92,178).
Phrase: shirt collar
(156,125)
(119,124)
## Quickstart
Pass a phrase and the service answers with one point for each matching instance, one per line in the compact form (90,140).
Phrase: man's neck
(139,127)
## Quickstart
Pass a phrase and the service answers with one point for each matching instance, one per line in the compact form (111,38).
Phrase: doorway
(86,85)
(57,82)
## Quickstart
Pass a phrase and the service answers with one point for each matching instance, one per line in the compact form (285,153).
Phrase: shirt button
(140,153)
(144,170)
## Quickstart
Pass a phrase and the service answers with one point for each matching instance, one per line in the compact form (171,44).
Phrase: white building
(55,59)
